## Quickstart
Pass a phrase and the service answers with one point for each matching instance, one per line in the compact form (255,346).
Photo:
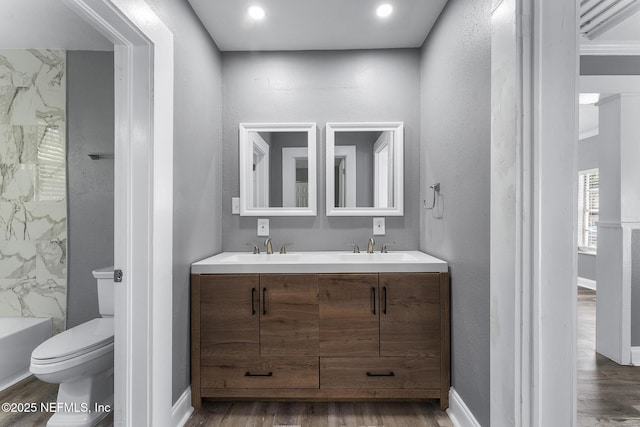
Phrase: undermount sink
(319,262)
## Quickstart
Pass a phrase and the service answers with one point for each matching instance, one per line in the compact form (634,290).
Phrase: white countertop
(320,262)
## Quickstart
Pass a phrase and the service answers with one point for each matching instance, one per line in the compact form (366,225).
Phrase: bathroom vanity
(320,326)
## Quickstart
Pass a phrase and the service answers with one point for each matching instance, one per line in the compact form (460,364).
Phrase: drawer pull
(373,299)
(249,374)
(390,374)
(264,301)
(253,301)
(384,310)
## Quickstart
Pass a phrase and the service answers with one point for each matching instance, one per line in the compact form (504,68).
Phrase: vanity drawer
(260,372)
(379,372)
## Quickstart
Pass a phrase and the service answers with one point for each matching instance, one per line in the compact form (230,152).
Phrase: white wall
(455,151)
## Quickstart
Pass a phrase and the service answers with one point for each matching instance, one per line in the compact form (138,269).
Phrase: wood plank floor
(32,390)
(608,394)
(313,414)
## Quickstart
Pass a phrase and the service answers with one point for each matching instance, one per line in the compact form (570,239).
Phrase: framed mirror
(364,169)
(278,169)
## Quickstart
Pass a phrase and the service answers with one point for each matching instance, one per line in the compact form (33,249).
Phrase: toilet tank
(104,278)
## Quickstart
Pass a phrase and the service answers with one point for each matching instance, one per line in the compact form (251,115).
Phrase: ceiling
(317,24)
(620,35)
(24,24)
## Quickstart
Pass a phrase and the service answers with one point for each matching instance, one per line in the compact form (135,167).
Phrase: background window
(588,203)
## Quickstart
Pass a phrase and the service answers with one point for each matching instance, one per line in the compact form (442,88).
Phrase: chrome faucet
(370,245)
(384,247)
(256,249)
(283,248)
(356,248)
(267,243)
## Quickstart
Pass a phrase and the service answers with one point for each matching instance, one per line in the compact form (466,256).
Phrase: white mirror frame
(398,166)
(246,166)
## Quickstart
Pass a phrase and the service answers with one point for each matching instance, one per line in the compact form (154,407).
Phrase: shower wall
(33,210)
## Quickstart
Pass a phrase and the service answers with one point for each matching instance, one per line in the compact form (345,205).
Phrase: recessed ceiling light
(256,12)
(384,10)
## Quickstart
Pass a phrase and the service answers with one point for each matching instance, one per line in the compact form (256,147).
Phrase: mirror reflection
(363,166)
(280,169)
(277,169)
(364,169)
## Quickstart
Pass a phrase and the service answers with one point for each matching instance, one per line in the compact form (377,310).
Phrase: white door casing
(143,62)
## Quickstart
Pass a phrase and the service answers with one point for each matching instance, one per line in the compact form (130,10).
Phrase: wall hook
(436,190)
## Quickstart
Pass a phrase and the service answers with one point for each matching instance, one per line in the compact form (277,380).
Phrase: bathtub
(18,337)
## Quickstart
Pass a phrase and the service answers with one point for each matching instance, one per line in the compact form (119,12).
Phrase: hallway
(608,394)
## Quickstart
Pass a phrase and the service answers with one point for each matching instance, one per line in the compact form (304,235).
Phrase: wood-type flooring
(608,395)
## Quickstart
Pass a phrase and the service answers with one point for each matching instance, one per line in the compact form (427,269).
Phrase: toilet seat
(85,339)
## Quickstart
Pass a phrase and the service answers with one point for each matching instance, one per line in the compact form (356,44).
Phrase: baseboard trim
(635,356)
(182,409)
(587,283)
(459,412)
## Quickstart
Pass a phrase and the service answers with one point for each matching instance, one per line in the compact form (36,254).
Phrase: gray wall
(321,87)
(90,127)
(587,159)
(593,65)
(197,164)
(587,266)
(635,287)
(455,134)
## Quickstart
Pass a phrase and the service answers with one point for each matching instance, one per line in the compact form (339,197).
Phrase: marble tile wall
(33,205)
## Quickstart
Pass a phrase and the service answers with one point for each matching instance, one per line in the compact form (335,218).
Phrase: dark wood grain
(196,400)
(379,373)
(228,323)
(445,336)
(290,325)
(410,324)
(348,325)
(261,372)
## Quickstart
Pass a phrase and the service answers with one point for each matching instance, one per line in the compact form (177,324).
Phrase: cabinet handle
(373,299)
(264,301)
(384,290)
(253,301)
(390,374)
(249,374)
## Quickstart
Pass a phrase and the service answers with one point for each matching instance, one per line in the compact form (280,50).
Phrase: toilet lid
(76,341)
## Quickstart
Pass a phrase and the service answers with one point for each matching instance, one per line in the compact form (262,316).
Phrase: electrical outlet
(263,227)
(235,205)
(378,226)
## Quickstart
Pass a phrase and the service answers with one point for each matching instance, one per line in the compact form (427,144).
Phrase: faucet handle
(384,247)
(283,248)
(256,249)
(356,248)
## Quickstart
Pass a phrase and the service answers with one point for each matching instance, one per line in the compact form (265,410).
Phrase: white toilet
(80,359)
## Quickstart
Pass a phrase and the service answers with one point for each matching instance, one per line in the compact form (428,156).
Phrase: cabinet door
(410,314)
(289,315)
(349,315)
(229,320)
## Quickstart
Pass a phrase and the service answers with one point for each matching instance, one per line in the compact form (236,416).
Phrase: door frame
(143,217)
(534,136)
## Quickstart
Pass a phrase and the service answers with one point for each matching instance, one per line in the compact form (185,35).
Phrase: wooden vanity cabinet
(320,336)
(253,331)
(349,319)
